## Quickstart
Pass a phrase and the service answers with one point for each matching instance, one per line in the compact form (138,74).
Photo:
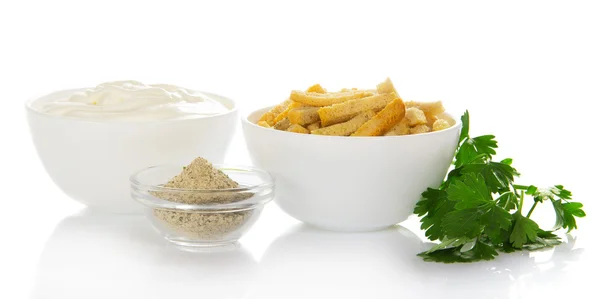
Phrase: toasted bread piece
(327,99)
(384,120)
(430,119)
(316,88)
(415,116)
(296,128)
(386,87)
(314,126)
(270,116)
(419,129)
(263,123)
(433,108)
(401,128)
(284,114)
(346,128)
(304,116)
(283,124)
(440,124)
(344,111)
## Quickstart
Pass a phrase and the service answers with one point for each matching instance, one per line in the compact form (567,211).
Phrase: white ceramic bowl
(91,161)
(350,183)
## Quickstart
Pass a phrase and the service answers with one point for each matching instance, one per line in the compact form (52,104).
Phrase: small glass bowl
(221,219)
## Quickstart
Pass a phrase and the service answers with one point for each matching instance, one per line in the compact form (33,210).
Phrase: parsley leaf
(433,206)
(462,223)
(473,150)
(561,192)
(544,239)
(430,201)
(524,230)
(574,208)
(469,192)
(565,210)
(476,150)
(485,144)
(557,192)
(467,153)
(560,214)
(448,255)
(498,176)
(480,251)
(449,243)
(496,222)
(570,211)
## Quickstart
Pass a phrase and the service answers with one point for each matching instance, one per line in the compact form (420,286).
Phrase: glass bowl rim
(246,204)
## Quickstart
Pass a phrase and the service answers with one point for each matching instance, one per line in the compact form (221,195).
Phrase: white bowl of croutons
(353,182)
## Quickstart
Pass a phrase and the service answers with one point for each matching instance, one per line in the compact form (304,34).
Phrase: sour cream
(134,101)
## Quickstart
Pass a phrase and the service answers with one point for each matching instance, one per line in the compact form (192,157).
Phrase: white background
(528,71)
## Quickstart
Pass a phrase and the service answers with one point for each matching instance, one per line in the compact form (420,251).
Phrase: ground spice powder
(205,225)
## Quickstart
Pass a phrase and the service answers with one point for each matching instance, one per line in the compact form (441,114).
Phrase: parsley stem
(520,187)
(531,210)
(521,202)
(506,204)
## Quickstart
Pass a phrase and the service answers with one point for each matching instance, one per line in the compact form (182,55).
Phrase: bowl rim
(249,203)
(30,109)
(456,126)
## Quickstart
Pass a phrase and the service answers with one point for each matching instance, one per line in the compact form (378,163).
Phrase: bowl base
(191,245)
(350,229)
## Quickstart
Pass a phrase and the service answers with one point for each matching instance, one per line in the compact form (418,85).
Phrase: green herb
(478,210)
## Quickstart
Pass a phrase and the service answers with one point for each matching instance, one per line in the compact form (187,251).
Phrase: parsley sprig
(478,210)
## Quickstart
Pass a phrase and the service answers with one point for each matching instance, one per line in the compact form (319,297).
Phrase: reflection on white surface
(119,256)
(309,263)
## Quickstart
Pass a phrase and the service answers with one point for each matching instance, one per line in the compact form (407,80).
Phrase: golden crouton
(346,128)
(344,111)
(293,105)
(314,126)
(304,116)
(433,108)
(270,116)
(401,128)
(415,117)
(263,123)
(419,129)
(297,129)
(430,119)
(326,99)
(386,87)
(440,124)
(283,124)
(316,88)
(383,121)
(284,113)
